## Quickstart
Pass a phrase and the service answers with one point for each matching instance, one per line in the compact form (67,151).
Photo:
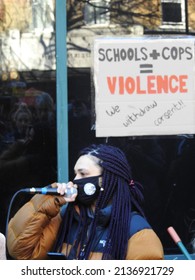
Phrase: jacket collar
(104,215)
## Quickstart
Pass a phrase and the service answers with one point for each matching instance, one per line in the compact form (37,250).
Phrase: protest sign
(144,86)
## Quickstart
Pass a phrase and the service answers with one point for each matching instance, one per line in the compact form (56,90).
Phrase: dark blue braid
(116,180)
(64,230)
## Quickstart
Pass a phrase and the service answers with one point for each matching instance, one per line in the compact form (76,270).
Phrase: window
(42,14)
(173,13)
(97,12)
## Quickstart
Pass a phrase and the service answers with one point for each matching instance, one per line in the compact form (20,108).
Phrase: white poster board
(144,86)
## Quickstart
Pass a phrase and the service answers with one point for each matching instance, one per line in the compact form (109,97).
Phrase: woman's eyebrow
(80,170)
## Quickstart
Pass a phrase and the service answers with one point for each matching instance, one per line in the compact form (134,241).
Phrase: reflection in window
(97,12)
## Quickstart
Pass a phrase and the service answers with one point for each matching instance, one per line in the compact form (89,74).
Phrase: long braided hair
(119,190)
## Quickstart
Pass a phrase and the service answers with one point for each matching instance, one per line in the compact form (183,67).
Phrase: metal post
(61,92)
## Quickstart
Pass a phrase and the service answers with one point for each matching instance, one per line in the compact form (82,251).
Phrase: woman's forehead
(87,162)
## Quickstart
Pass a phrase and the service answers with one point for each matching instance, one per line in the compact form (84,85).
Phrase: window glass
(27,100)
(97,12)
(171,12)
(42,14)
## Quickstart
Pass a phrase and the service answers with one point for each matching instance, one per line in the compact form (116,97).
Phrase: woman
(103,220)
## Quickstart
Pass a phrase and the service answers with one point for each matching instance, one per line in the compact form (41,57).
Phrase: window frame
(173,24)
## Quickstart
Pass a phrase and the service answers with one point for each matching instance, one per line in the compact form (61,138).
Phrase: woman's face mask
(88,189)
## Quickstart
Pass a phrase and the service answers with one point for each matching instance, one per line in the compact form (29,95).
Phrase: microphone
(49,190)
(44,190)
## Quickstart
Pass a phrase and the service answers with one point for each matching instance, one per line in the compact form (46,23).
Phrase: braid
(119,223)
(64,228)
(116,179)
